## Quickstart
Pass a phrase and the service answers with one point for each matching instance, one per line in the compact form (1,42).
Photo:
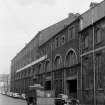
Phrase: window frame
(63,39)
(71,33)
(98,71)
(98,36)
(85,40)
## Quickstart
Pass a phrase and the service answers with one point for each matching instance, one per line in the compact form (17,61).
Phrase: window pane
(98,36)
(71,58)
(86,41)
(98,71)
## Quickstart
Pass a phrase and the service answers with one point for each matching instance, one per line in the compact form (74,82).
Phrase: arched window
(57,63)
(70,58)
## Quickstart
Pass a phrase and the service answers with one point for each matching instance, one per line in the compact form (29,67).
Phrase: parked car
(3,93)
(61,99)
(23,96)
(7,93)
(16,95)
(73,101)
(10,94)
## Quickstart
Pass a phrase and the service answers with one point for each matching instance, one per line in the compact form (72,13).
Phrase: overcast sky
(20,20)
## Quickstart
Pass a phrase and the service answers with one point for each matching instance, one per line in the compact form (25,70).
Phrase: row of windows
(70,61)
(59,40)
(88,73)
(32,71)
(46,67)
(97,37)
(25,73)
(29,55)
(26,59)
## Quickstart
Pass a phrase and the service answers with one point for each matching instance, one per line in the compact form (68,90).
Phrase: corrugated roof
(49,32)
(94,14)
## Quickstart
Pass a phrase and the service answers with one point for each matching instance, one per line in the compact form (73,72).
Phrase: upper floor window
(43,51)
(56,42)
(70,59)
(49,46)
(57,62)
(47,66)
(98,36)
(53,44)
(71,33)
(85,41)
(39,68)
(62,39)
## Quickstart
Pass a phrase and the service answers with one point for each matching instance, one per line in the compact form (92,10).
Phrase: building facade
(92,36)
(21,70)
(35,63)
(67,57)
(60,70)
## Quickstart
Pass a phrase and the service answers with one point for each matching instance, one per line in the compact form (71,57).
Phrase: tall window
(57,42)
(39,68)
(57,62)
(85,41)
(47,66)
(62,39)
(71,33)
(53,44)
(98,71)
(98,36)
(86,73)
(70,58)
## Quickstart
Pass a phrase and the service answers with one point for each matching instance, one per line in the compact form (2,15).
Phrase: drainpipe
(94,59)
(81,27)
(81,76)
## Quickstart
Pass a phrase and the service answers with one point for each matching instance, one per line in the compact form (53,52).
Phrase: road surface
(5,100)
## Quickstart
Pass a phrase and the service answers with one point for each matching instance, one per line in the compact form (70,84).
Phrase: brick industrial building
(67,57)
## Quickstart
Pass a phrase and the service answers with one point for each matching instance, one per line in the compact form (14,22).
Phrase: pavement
(6,100)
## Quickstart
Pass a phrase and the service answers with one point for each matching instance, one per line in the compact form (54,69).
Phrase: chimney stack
(93,4)
(72,14)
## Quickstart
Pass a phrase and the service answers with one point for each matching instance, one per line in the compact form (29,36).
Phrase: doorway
(72,88)
(48,85)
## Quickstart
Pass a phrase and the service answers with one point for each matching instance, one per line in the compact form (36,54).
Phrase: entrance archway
(71,73)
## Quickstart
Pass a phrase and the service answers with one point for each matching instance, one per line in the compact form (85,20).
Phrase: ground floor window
(48,85)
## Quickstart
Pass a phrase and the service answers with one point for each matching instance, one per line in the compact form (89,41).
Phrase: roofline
(92,7)
(60,31)
(25,46)
(91,24)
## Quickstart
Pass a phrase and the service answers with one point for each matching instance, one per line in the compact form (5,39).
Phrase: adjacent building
(4,82)
(92,42)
